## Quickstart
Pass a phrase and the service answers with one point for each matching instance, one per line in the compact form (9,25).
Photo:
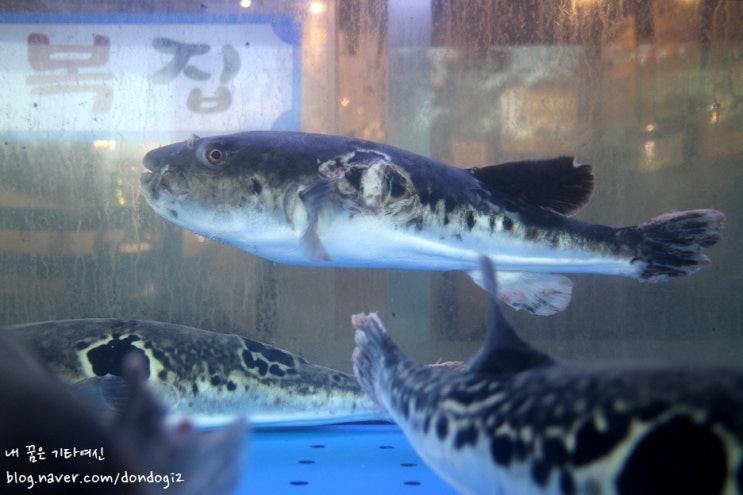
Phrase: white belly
(365,241)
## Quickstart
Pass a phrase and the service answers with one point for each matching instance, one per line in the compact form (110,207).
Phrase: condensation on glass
(649,92)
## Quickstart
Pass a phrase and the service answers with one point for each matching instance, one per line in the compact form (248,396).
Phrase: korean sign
(94,76)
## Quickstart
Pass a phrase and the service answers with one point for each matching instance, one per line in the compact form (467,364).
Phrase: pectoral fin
(314,198)
(107,394)
(110,394)
(542,294)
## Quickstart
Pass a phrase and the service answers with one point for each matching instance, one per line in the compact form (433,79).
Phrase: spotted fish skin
(306,199)
(37,408)
(209,377)
(518,422)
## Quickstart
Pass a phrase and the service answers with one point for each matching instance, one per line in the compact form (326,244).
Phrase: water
(649,93)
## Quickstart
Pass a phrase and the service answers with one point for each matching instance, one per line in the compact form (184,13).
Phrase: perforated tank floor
(355,459)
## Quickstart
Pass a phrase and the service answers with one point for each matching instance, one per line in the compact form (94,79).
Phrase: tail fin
(672,243)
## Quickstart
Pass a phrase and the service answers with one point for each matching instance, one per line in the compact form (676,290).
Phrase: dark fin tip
(672,244)
(504,351)
(557,184)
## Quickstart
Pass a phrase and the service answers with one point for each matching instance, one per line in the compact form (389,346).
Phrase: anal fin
(541,294)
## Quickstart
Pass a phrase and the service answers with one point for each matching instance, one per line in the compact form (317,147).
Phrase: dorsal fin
(504,351)
(557,184)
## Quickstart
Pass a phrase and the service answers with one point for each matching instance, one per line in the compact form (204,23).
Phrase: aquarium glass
(650,93)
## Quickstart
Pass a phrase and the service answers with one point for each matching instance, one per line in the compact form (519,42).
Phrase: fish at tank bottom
(520,422)
(64,445)
(308,199)
(208,377)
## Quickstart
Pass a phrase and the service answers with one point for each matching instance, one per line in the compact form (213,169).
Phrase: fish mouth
(159,177)
(148,176)
(150,161)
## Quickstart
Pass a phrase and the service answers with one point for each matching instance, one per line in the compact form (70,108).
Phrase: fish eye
(215,156)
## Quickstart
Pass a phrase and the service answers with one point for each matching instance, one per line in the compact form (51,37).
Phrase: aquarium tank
(649,93)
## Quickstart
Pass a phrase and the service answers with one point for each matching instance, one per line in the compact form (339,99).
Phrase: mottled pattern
(37,409)
(566,429)
(304,199)
(206,373)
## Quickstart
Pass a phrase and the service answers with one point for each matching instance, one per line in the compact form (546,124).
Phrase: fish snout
(153,160)
(162,157)
(150,178)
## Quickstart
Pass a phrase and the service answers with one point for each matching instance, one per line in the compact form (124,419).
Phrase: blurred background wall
(648,92)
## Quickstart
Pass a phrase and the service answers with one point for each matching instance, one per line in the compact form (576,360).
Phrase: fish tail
(671,244)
